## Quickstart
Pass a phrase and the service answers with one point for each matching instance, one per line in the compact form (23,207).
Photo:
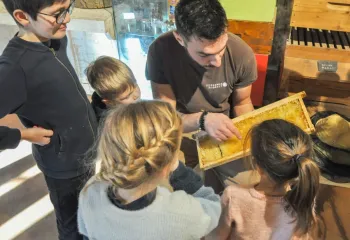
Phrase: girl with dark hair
(282,204)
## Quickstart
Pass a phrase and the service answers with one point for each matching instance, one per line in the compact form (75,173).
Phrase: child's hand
(37,135)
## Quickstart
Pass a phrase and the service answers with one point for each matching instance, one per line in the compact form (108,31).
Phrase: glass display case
(138,23)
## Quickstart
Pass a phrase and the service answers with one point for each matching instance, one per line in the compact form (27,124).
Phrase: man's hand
(220,127)
(37,135)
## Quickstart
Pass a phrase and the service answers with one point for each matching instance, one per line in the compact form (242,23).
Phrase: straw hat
(334,131)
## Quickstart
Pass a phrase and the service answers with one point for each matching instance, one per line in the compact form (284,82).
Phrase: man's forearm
(242,109)
(190,121)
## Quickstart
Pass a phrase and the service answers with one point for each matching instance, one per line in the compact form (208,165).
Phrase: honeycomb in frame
(292,109)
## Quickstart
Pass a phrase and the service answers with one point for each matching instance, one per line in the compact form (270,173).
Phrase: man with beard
(206,73)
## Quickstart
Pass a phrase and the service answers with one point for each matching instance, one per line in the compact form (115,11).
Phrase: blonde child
(138,148)
(281,206)
(113,82)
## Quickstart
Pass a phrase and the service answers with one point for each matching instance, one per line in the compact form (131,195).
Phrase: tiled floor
(26,212)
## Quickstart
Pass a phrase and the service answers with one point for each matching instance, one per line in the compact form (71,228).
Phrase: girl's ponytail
(301,197)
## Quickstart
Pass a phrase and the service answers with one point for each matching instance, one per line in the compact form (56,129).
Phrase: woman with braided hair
(138,148)
(282,205)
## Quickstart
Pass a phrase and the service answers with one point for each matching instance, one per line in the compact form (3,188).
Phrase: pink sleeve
(223,230)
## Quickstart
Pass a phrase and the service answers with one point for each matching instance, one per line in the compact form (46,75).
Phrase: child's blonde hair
(110,77)
(285,153)
(137,142)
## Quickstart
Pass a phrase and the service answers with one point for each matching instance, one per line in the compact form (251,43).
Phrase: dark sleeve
(184,178)
(13,91)
(248,70)
(9,138)
(154,66)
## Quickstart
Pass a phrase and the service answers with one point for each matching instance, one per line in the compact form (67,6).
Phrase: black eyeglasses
(62,15)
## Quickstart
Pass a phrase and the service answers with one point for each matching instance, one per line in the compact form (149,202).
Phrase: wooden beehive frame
(310,129)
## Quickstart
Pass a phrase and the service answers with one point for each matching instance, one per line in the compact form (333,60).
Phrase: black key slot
(327,38)
(342,39)
(347,36)
(338,39)
(321,38)
(301,36)
(313,36)
(295,36)
(308,37)
(333,39)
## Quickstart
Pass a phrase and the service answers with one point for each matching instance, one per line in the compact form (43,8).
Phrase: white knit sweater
(172,215)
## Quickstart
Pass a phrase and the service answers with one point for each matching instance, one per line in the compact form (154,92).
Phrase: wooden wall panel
(322,14)
(258,35)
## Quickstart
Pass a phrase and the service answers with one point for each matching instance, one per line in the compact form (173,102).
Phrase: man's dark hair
(32,7)
(203,19)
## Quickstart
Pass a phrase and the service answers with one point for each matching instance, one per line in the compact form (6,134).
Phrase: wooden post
(93,3)
(281,34)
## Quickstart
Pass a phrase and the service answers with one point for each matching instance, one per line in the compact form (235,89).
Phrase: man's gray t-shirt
(197,88)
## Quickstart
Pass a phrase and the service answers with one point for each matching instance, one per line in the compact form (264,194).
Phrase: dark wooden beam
(281,34)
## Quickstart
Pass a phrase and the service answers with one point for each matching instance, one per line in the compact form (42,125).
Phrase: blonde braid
(137,141)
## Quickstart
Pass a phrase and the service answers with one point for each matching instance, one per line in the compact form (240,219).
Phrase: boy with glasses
(38,83)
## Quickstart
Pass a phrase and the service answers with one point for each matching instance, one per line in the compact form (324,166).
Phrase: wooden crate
(324,14)
(212,154)
(305,49)
(314,107)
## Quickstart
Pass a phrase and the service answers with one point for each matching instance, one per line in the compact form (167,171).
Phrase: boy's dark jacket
(99,107)
(9,138)
(39,84)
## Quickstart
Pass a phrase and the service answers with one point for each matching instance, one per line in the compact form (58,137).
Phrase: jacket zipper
(76,86)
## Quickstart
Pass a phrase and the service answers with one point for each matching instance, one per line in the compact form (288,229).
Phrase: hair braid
(137,141)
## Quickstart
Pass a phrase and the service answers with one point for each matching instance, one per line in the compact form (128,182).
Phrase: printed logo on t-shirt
(216,85)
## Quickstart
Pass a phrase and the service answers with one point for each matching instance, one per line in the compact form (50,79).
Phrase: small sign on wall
(327,66)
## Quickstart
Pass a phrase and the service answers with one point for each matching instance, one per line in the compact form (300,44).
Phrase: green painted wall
(250,10)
